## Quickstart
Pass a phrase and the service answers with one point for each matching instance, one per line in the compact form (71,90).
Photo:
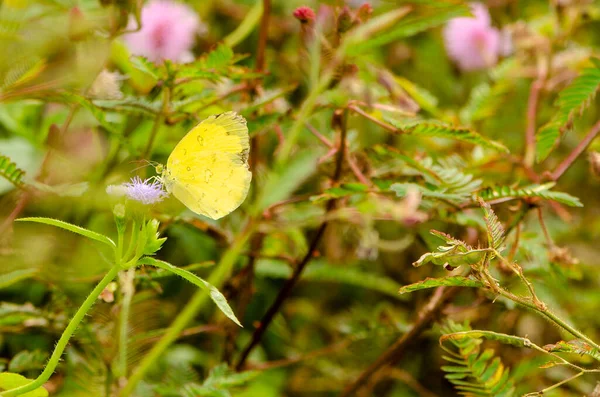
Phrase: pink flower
(168,32)
(472,42)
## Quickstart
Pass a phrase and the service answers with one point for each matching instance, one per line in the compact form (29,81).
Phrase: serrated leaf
(10,171)
(217,297)
(575,346)
(143,64)
(571,102)
(495,230)
(434,129)
(541,191)
(72,228)
(454,281)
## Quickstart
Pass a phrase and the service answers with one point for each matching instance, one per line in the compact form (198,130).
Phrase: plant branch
(197,303)
(342,118)
(394,353)
(567,162)
(158,121)
(65,337)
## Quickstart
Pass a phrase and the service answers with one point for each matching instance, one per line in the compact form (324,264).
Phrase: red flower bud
(304,14)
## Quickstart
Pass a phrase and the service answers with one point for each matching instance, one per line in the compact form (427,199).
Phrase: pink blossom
(473,43)
(168,32)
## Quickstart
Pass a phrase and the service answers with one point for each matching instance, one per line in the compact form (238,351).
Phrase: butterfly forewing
(208,169)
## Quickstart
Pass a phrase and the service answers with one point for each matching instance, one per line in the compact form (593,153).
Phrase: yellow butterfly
(208,169)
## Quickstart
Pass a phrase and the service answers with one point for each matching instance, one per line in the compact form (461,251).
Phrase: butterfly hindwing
(208,169)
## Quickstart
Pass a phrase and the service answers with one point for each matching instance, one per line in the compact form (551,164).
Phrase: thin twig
(534,94)
(287,288)
(394,353)
(380,123)
(567,162)
(160,118)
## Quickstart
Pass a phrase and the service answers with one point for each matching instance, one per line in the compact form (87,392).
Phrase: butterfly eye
(159,168)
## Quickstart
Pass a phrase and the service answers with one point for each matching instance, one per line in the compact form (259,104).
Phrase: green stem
(545,312)
(158,121)
(196,304)
(128,291)
(65,337)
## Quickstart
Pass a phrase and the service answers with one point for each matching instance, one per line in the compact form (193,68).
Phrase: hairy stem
(65,337)
(195,305)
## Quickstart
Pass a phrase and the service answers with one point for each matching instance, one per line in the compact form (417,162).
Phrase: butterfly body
(208,169)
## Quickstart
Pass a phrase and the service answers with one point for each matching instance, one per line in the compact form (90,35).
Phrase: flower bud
(304,14)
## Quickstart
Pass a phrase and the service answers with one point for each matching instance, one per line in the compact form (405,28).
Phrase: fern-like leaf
(571,102)
(542,191)
(438,130)
(10,172)
(474,373)
(495,230)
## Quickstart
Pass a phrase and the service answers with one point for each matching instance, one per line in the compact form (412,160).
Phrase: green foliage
(214,293)
(571,102)
(455,253)
(426,15)
(10,381)
(474,372)
(72,228)
(445,181)
(437,130)
(542,191)
(11,172)
(575,346)
(495,230)
(452,281)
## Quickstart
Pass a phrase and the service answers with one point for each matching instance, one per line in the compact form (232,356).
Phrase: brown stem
(534,94)
(394,353)
(341,117)
(380,123)
(263,35)
(564,166)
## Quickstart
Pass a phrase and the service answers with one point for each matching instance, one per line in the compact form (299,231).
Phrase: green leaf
(455,253)
(429,15)
(10,381)
(454,281)
(344,190)
(214,293)
(12,277)
(572,101)
(72,228)
(495,230)
(28,361)
(438,130)
(219,58)
(143,64)
(10,171)
(541,191)
(476,373)
(280,184)
(575,346)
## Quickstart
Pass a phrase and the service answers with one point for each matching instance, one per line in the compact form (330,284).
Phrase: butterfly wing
(208,169)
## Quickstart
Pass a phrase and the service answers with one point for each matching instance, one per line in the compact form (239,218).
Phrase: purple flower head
(168,32)
(147,192)
(472,42)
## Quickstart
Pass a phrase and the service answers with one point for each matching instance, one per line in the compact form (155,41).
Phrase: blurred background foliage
(371,124)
